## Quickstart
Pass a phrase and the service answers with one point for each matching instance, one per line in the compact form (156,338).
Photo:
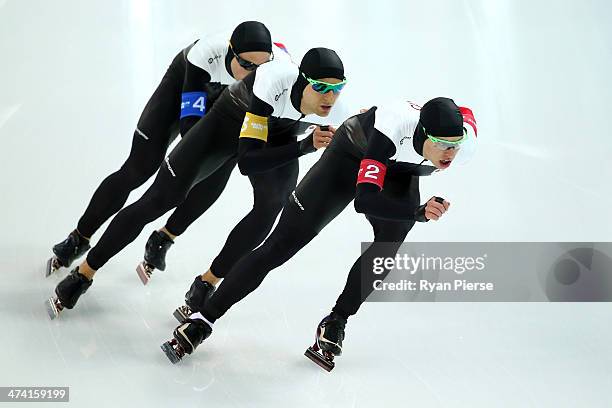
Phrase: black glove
(213,91)
(419,214)
(306,145)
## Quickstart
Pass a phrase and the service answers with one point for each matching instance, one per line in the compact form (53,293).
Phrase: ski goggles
(248,65)
(325,87)
(443,144)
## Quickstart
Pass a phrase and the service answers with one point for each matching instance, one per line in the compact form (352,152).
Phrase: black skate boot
(67,293)
(328,341)
(155,255)
(187,337)
(195,297)
(66,252)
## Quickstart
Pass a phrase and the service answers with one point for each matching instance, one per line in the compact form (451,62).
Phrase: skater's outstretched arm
(254,158)
(253,154)
(370,181)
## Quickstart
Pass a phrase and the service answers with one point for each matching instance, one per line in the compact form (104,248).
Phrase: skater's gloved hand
(432,209)
(435,208)
(213,91)
(322,136)
(306,145)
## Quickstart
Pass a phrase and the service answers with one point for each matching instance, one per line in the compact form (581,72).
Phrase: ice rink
(75,77)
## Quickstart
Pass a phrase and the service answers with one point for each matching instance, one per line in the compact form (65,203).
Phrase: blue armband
(193,104)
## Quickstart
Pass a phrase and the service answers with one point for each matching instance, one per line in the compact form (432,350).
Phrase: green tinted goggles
(325,87)
(443,144)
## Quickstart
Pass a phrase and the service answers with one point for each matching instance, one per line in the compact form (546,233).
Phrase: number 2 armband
(372,171)
(254,127)
(193,104)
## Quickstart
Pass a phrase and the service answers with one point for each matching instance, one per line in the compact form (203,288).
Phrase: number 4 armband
(193,104)
(372,171)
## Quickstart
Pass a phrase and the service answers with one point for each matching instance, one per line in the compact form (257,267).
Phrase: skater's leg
(157,127)
(291,235)
(271,191)
(204,149)
(144,160)
(330,332)
(323,193)
(388,236)
(391,234)
(359,283)
(130,221)
(199,199)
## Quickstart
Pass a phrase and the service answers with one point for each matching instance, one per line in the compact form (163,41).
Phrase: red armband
(372,171)
(468,117)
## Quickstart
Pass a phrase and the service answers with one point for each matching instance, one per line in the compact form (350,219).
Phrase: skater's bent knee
(267,212)
(160,201)
(137,174)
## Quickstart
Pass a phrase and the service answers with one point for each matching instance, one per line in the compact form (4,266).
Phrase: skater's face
(254,57)
(442,159)
(319,103)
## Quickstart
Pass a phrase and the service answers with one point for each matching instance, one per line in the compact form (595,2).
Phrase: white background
(75,76)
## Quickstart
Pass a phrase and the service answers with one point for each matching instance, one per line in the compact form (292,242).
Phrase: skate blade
(50,267)
(319,359)
(170,352)
(51,308)
(143,274)
(179,315)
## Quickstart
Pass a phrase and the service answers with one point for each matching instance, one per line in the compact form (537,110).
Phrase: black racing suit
(158,126)
(210,146)
(323,193)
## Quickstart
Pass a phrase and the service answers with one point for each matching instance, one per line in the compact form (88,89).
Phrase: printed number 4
(200,103)
(371,171)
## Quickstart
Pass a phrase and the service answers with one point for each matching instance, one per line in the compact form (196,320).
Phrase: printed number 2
(200,104)
(371,171)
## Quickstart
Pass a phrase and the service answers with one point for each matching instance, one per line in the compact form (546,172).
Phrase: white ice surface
(75,76)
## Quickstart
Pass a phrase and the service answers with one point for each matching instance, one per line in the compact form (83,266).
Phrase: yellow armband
(255,127)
